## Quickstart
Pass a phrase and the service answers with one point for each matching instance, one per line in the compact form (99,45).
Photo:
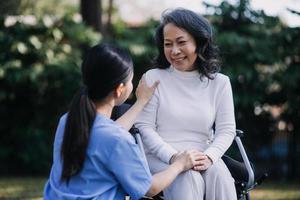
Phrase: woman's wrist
(142,101)
(179,166)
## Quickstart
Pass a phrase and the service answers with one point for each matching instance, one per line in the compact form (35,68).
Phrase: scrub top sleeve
(130,168)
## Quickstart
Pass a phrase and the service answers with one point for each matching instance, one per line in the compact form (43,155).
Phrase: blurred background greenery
(42,44)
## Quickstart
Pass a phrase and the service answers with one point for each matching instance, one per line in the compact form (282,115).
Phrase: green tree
(39,72)
(261,57)
(289,92)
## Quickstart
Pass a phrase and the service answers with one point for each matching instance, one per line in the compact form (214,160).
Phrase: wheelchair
(242,171)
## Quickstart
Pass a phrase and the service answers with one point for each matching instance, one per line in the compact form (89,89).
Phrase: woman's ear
(119,90)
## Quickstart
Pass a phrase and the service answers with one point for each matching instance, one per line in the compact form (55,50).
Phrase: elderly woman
(192,102)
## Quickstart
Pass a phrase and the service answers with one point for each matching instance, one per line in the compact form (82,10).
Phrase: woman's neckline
(184,74)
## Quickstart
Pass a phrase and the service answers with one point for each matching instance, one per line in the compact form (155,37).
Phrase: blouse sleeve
(146,123)
(130,168)
(224,124)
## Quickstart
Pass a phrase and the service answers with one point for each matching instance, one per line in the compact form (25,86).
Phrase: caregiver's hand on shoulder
(144,92)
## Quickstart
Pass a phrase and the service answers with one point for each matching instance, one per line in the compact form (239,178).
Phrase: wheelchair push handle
(239,133)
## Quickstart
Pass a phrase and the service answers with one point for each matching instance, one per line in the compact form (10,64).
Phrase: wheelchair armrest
(237,169)
(245,158)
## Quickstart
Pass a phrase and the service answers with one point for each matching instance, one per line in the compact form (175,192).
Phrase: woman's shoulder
(61,124)
(219,82)
(155,72)
(153,75)
(221,79)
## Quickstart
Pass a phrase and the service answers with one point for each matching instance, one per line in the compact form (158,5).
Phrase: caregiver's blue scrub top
(113,167)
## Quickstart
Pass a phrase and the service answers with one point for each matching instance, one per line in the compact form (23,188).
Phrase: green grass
(30,188)
(276,191)
(27,188)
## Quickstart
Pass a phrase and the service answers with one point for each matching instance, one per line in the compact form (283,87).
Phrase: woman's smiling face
(179,48)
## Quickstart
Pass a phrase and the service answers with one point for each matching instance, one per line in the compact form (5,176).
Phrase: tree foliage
(261,55)
(38,75)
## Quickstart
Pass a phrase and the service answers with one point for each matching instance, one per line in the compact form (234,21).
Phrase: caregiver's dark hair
(103,69)
(207,62)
